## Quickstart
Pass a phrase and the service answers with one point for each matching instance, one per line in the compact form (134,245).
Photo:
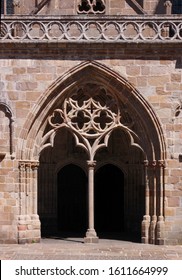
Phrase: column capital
(153,163)
(161,163)
(24,164)
(91,163)
(167,3)
(16,3)
(146,163)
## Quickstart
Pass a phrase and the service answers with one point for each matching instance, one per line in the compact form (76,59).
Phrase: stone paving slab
(75,249)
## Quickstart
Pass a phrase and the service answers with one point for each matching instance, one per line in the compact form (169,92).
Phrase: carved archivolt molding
(90,114)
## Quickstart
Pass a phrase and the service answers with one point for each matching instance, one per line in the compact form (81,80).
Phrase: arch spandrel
(147,125)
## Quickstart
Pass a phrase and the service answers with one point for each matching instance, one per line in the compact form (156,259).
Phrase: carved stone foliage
(91,7)
(90,114)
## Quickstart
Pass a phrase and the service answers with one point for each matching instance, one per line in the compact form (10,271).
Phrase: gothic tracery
(91,6)
(91,115)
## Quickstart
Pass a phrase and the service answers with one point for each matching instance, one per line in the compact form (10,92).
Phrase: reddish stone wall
(154,72)
(113,7)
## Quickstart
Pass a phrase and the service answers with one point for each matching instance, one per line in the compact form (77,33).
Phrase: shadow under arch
(72,199)
(109,201)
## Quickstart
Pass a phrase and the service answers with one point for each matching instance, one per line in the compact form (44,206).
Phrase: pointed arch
(146,122)
(145,145)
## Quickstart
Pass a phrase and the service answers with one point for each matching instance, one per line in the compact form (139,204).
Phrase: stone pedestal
(160,229)
(91,236)
(28,229)
(145,229)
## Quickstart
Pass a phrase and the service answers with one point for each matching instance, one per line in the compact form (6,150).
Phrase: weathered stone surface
(34,81)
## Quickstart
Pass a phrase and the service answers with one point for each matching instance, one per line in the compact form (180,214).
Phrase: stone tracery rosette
(90,115)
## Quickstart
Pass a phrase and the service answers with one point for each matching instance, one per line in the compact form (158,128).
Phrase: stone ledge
(91,29)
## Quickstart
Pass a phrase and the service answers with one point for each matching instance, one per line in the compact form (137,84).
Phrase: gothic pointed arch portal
(91,117)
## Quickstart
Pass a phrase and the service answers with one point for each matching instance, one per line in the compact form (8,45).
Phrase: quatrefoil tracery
(98,117)
(91,115)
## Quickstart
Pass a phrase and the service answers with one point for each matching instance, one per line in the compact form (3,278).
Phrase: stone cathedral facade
(91,120)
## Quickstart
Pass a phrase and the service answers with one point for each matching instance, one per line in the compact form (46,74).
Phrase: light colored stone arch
(151,134)
(147,135)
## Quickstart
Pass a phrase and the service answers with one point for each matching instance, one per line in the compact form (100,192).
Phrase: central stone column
(91,119)
(91,236)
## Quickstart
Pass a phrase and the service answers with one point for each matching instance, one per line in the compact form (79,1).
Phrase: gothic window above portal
(177,6)
(91,6)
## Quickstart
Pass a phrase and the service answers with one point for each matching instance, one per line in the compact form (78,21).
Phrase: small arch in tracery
(91,6)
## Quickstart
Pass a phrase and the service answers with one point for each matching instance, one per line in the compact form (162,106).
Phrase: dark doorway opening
(72,201)
(109,201)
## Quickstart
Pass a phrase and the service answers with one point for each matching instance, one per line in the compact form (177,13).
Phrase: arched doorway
(135,118)
(72,200)
(109,200)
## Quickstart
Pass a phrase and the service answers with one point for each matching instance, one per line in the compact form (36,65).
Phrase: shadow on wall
(160,9)
(73,237)
(179,63)
(134,7)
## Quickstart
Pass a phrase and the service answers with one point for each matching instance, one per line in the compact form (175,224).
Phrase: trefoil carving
(91,7)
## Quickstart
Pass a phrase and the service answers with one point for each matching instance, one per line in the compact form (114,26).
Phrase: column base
(152,238)
(28,229)
(91,236)
(145,229)
(160,231)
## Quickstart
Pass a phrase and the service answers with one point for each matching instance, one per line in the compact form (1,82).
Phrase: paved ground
(75,249)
